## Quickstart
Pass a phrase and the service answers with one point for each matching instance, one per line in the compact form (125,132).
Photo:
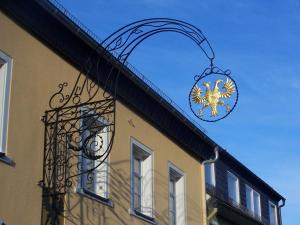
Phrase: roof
(64,34)
(250,176)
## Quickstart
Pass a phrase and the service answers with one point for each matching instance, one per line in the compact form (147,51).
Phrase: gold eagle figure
(212,97)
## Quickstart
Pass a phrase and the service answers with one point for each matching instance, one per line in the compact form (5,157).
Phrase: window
(210,174)
(141,180)
(137,177)
(95,183)
(5,78)
(273,213)
(253,202)
(233,188)
(172,200)
(176,196)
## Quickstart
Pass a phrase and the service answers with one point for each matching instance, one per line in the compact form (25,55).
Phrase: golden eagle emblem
(212,97)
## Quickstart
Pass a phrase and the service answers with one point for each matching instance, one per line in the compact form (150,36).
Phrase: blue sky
(259,41)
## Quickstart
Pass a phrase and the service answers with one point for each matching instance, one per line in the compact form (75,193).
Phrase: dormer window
(253,202)
(233,188)
(273,214)
(210,174)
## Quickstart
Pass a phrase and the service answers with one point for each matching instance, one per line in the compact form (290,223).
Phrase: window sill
(92,196)
(7,160)
(141,216)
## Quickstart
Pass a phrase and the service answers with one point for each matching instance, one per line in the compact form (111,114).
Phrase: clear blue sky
(259,41)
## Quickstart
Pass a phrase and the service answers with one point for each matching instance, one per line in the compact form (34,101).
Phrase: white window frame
(237,187)
(6,63)
(212,174)
(275,212)
(252,191)
(80,187)
(180,203)
(144,214)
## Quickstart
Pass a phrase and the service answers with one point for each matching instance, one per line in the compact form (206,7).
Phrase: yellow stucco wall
(36,73)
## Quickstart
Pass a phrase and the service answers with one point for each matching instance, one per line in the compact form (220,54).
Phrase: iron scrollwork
(65,139)
(66,142)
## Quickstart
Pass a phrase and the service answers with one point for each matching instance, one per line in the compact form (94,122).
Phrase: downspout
(213,160)
(279,210)
(216,149)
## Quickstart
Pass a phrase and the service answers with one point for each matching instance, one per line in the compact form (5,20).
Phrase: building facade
(154,173)
(133,187)
(237,196)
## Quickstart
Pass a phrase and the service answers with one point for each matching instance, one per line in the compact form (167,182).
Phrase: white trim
(150,153)
(134,141)
(183,176)
(237,186)
(175,168)
(275,213)
(4,105)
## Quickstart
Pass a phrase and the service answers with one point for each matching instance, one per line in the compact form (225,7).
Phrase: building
(237,196)
(154,173)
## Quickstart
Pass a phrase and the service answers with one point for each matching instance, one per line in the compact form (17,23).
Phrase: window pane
(172,201)
(233,188)
(89,177)
(256,201)
(137,202)
(137,166)
(176,198)
(142,180)
(101,180)
(172,218)
(96,181)
(172,197)
(272,212)
(2,94)
(209,174)
(249,198)
(5,78)
(172,187)
(137,184)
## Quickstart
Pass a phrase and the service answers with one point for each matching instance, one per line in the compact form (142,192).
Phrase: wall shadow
(81,210)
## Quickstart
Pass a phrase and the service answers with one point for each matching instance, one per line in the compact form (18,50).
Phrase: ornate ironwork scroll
(66,142)
(92,98)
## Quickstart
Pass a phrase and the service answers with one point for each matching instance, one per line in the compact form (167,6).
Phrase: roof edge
(88,38)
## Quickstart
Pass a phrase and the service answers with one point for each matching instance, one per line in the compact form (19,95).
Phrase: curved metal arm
(128,37)
(121,44)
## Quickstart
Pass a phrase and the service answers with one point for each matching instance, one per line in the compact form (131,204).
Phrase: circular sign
(214,95)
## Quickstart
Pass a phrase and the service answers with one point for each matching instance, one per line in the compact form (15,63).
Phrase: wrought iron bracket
(71,127)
